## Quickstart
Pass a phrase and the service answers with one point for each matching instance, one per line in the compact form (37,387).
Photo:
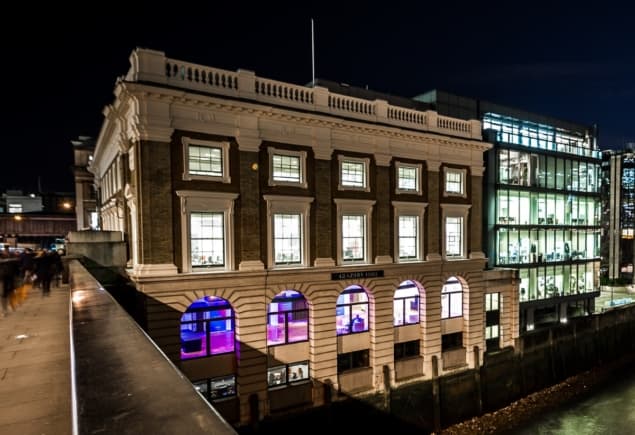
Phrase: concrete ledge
(123,383)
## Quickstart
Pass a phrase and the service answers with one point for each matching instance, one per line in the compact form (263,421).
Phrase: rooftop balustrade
(153,67)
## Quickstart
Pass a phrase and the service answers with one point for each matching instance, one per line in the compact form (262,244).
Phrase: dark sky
(59,67)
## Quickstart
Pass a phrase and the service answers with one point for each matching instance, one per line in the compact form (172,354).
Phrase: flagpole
(312,54)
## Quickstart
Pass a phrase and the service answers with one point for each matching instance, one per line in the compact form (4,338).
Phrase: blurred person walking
(45,270)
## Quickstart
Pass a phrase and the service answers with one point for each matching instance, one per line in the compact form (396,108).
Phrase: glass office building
(544,215)
(618,214)
(541,203)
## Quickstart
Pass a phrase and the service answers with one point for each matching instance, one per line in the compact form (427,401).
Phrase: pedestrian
(8,274)
(45,270)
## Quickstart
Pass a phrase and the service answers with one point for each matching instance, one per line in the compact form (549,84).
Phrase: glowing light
(530,327)
(563,320)
(17,217)
(66,205)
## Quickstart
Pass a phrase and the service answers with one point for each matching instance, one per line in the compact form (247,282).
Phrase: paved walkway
(35,380)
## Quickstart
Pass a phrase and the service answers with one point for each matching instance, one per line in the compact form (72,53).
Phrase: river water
(610,410)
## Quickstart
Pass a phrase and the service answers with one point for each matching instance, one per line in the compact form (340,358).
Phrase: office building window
(408,178)
(287,167)
(216,388)
(207,229)
(454,182)
(285,374)
(354,230)
(454,230)
(206,160)
(408,230)
(288,318)
(287,242)
(351,313)
(207,328)
(352,360)
(288,220)
(406,304)
(452,299)
(353,173)
(207,239)
(407,349)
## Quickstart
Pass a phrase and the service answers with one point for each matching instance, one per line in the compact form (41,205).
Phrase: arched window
(207,328)
(406,304)
(352,311)
(288,318)
(452,299)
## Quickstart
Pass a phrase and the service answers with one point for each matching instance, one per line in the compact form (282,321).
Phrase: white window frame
(417,209)
(455,210)
(294,205)
(289,153)
(202,201)
(418,168)
(223,146)
(366,165)
(362,207)
(463,174)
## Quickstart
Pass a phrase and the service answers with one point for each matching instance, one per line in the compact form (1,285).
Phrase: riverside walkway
(35,366)
(85,367)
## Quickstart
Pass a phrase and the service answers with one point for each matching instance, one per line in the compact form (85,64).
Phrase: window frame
(462,172)
(285,314)
(417,209)
(365,162)
(301,155)
(449,294)
(288,372)
(283,204)
(222,145)
(354,207)
(202,201)
(418,167)
(454,211)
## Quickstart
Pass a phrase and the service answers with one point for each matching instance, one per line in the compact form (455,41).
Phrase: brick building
(289,237)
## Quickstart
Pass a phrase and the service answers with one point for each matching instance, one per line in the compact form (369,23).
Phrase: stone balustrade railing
(153,66)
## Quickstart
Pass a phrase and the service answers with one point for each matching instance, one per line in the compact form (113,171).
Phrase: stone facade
(163,107)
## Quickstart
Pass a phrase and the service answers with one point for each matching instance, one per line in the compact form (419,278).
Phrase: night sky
(575,63)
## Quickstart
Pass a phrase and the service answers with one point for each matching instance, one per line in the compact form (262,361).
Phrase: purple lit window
(351,313)
(288,318)
(406,304)
(207,328)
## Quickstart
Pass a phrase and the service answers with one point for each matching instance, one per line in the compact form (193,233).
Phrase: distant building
(290,238)
(15,201)
(618,213)
(542,206)
(85,192)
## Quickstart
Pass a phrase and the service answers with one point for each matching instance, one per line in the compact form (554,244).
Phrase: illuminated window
(353,173)
(454,182)
(354,230)
(286,374)
(406,304)
(15,208)
(408,178)
(408,230)
(207,328)
(288,318)
(351,313)
(454,231)
(206,160)
(207,228)
(287,227)
(207,239)
(287,167)
(452,299)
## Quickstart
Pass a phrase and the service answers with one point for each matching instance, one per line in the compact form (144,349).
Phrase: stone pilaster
(433,236)
(382,225)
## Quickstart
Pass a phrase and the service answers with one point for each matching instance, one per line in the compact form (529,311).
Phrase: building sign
(358,275)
